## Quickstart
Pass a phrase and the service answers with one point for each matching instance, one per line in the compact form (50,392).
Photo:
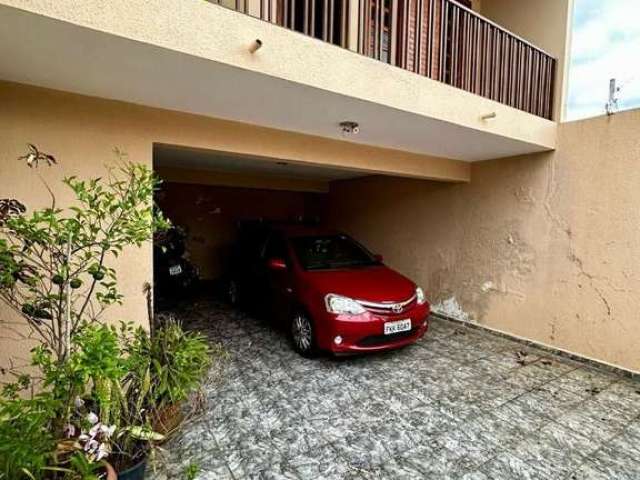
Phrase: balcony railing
(440,39)
(326,20)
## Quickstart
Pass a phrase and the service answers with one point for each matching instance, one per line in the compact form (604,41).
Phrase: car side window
(276,248)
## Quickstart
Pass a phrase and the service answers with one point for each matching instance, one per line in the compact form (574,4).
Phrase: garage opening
(208,195)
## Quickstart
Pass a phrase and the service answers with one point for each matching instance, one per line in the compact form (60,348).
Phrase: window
(276,248)
(331,252)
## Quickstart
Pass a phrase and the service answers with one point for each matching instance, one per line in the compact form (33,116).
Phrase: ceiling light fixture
(255,46)
(350,128)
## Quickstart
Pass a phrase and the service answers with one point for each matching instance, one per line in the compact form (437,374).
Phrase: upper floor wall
(496,48)
(197,57)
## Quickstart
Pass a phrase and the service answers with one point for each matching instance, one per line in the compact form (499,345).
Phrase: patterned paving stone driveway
(460,404)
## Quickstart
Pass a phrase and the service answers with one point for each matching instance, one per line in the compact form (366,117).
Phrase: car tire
(303,336)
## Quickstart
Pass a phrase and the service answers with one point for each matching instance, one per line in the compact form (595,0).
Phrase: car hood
(373,284)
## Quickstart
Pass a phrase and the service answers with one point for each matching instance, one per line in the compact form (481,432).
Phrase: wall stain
(525,196)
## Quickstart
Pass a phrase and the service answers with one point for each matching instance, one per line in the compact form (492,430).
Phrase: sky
(605,44)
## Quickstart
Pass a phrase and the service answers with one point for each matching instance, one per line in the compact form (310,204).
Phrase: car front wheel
(304,341)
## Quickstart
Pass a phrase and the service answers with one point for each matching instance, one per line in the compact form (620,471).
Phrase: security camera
(350,128)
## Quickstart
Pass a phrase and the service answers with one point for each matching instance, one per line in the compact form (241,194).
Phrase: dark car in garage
(328,290)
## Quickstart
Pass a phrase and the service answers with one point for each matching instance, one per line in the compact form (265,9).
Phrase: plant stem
(67,315)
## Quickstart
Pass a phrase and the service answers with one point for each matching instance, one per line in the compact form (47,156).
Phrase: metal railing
(446,41)
(484,58)
(325,20)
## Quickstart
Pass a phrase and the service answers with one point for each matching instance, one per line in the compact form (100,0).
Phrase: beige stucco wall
(203,30)
(244,180)
(546,247)
(546,24)
(82,139)
(147,125)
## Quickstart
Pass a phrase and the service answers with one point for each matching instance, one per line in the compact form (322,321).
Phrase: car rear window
(331,252)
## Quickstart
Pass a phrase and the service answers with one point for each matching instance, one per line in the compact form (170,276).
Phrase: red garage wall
(210,214)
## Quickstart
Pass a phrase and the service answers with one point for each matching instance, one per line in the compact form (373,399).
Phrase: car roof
(291,231)
(288,229)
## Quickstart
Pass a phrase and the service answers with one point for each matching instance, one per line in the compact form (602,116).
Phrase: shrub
(54,268)
(99,387)
(27,444)
(173,360)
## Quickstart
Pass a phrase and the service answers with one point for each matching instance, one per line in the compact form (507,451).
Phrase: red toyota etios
(328,291)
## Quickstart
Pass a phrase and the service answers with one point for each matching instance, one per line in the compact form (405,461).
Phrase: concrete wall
(221,36)
(246,180)
(82,136)
(546,247)
(128,122)
(210,215)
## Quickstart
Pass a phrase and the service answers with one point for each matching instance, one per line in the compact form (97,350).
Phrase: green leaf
(142,433)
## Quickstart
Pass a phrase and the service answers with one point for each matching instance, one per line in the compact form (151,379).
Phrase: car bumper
(365,333)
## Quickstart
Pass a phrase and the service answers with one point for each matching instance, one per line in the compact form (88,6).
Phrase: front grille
(389,308)
(376,340)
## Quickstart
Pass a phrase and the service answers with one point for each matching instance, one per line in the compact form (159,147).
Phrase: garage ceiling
(171,156)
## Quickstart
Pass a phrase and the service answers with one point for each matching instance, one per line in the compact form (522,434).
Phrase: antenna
(611,106)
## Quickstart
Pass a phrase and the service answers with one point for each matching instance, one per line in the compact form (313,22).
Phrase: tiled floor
(461,404)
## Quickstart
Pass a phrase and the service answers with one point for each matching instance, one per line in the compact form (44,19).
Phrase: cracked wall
(543,246)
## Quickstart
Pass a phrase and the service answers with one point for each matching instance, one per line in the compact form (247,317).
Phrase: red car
(327,289)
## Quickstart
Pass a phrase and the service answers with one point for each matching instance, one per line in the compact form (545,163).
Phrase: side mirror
(378,258)
(277,264)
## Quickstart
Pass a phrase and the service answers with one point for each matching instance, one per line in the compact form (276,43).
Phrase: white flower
(91,446)
(95,430)
(92,418)
(107,431)
(69,430)
(103,451)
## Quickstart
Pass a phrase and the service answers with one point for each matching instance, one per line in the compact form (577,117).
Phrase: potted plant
(55,433)
(168,367)
(55,274)
(96,395)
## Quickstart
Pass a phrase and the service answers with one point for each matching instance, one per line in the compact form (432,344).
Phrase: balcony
(440,39)
(313,71)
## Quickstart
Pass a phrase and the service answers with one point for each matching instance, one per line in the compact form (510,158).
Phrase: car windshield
(330,252)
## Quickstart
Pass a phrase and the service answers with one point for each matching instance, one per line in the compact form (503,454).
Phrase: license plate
(395,327)
(175,270)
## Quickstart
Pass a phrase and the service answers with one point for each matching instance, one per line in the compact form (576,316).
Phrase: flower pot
(168,419)
(134,473)
(111,473)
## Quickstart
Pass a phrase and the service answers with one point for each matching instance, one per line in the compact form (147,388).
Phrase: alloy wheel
(302,332)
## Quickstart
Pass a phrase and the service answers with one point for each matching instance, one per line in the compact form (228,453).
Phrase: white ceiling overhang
(43,51)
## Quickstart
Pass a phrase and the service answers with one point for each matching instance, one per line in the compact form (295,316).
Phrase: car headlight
(420,296)
(342,305)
